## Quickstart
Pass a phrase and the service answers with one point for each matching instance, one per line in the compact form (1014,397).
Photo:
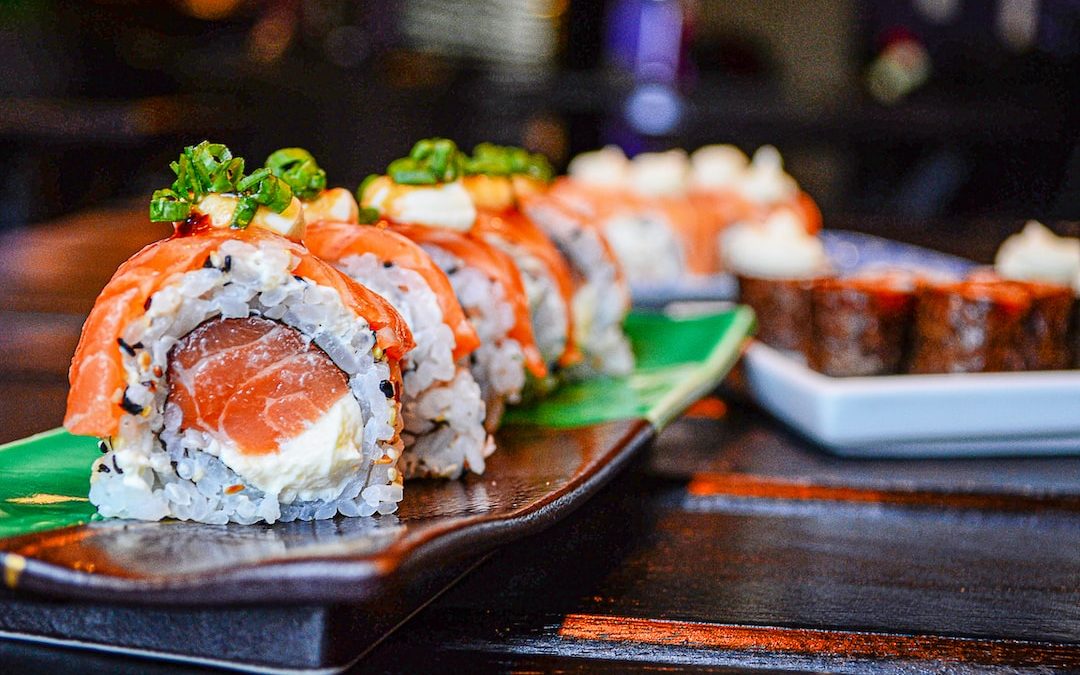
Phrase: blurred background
(899,111)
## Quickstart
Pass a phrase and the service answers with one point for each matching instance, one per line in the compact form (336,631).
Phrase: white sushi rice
(601,302)
(498,365)
(443,412)
(154,469)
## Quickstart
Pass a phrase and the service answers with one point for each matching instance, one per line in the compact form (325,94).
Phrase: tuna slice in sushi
(231,374)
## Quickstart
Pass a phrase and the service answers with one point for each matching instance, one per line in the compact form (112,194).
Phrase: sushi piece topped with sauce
(443,412)
(727,187)
(627,203)
(549,284)
(423,197)
(231,374)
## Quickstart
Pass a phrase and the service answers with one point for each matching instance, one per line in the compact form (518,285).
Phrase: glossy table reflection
(733,544)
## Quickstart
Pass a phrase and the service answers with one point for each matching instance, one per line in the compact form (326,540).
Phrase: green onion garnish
(166,206)
(298,168)
(211,167)
(368,215)
(431,161)
(506,160)
(244,213)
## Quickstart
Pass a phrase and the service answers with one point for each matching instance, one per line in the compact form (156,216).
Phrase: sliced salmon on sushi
(231,374)
(490,290)
(253,381)
(423,196)
(601,295)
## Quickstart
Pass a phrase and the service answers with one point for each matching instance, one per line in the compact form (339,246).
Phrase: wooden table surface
(733,544)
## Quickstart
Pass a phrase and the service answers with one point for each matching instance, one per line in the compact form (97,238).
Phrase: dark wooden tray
(212,593)
(324,590)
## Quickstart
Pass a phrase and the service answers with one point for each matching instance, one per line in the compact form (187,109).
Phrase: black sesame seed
(115,466)
(299,278)
(228,264)
(104,468)
(173,466)
(388,264)
(125,346)
(130,406)
(387,388)
(452,269)
(146,305)
(208,262)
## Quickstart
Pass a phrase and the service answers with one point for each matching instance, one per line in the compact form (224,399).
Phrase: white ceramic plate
(976,414)
(1036,413)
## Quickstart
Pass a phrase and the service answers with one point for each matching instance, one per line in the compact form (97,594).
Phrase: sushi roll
(645,240)
(1036,255)
(442,408)
(548,280)
(1048,331)
(727,187)
(968,327)
(423,198)
(659,182)
(861,324)
(601,298)
(777,263)
(231,374)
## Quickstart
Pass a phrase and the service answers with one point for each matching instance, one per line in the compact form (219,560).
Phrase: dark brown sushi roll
(784,308)
(1048,343)
(861,324)
(1049,329)
(969,327)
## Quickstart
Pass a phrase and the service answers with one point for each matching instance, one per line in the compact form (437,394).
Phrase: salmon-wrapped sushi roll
(422,197)
(601,297)
(231,374)
(649,246)
(549,283)
(443,411)
(727,188)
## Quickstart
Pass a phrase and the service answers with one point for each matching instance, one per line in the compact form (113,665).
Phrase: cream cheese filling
(314,464)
